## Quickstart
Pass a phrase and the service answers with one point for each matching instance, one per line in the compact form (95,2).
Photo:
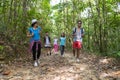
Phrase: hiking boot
(47,54)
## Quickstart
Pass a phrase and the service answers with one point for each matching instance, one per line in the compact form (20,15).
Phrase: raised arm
(29,34)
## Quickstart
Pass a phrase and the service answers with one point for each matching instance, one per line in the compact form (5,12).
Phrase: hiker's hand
(74,34)
(39,32)
(30,35)
(82,35)
(65,45)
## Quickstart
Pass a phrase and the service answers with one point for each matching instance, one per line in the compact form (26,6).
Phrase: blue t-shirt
(62,41)
(36,33)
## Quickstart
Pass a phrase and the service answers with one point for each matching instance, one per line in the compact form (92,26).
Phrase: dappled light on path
(55,67)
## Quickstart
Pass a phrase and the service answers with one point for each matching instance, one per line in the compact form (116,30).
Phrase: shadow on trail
(55,67)
(53,63)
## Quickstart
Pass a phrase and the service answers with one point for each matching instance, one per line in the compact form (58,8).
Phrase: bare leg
(47,51)
(78,53)
(50,51)
(74,52)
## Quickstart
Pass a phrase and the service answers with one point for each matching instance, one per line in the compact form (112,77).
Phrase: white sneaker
(78,60)
(38,61)
(62,55)
(35,64)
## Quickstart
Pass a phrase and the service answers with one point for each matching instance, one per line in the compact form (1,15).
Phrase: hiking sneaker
(50,53)
(35,64)
(78,60)
(38,61)
(47,54)
(62,55)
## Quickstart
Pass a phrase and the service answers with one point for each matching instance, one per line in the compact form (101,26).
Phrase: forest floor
(55,67)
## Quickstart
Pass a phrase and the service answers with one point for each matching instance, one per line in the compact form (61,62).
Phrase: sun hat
(34,20)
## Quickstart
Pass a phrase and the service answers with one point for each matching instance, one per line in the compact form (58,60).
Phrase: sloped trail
(55,67)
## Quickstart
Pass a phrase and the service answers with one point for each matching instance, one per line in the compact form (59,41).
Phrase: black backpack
(74,31)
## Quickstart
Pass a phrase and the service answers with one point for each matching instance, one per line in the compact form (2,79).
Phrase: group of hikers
(48,46)
(34,32)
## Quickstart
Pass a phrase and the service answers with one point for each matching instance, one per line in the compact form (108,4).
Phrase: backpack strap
(74,30)
(82,31)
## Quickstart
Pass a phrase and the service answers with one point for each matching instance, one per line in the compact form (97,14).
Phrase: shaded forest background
(101,21)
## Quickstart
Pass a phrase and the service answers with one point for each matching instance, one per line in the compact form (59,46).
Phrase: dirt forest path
(55,67)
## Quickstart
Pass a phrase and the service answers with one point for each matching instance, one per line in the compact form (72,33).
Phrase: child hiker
(47,43)
(55,45)
(62,44)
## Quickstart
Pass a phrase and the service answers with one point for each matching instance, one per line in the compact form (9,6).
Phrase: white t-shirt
(55,41)
(47,41)
(78,35)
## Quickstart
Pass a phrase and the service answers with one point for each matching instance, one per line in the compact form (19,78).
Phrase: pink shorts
(56,47)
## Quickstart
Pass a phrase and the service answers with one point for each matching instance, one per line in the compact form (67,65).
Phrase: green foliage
(118,53)
(1,48)
(100,20)
(101,25)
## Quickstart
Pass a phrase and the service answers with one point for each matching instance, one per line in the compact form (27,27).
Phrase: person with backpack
(47,43)
(62,44)
(78,33)
(35,43)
